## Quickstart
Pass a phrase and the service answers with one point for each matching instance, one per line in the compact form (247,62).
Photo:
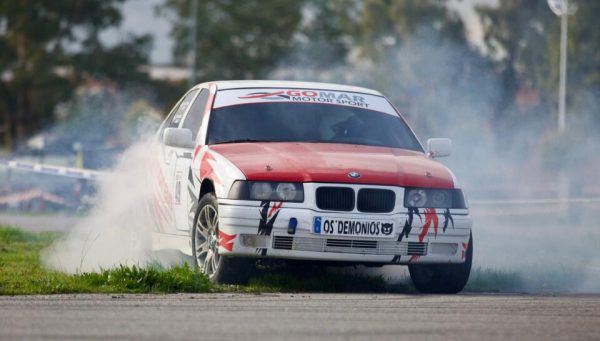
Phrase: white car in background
(306,171)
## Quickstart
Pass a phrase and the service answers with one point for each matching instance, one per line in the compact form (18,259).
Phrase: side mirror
(178,137)
(439,147)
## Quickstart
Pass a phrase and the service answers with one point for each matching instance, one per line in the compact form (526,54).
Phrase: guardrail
(70,172)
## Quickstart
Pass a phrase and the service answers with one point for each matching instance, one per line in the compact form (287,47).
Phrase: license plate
(329,226)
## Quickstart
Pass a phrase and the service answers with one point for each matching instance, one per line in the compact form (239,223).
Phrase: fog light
(253,240)
(292,224)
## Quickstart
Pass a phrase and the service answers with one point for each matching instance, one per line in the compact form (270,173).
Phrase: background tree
(516,36)
(47,48)
(523,38)
(583,78)
(236,39)
(420,56)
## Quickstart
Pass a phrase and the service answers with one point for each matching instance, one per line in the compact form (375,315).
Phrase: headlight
(416,198)
(262,190)
(287,191)
(433,198)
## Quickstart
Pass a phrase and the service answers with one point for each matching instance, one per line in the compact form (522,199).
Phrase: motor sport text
(327,97)
(355,228)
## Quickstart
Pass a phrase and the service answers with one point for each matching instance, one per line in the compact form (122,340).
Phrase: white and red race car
(306,171)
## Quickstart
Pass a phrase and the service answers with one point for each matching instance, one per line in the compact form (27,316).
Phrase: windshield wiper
(242,141)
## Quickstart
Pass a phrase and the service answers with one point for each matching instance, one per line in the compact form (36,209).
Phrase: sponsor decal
(162,198)
(226,240)
(229,97)
(360,228)
(178,191)
(387,228)
(314,96)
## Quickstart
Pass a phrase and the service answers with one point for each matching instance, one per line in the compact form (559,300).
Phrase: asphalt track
(301,316)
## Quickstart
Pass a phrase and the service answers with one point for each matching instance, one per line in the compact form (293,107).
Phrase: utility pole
(562,9)
(192,41)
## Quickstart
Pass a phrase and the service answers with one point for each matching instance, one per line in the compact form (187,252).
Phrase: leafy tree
(47,48)
(385,24)
(235,39)
(583,79)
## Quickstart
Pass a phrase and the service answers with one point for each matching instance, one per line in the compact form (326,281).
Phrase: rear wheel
(442,278)
(205,246)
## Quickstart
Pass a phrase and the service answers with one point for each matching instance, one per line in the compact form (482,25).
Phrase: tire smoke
(540,237)
(117,230)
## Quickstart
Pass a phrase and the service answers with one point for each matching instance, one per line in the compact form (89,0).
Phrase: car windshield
(308,122)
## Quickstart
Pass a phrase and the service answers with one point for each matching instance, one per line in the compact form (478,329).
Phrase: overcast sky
(139,17)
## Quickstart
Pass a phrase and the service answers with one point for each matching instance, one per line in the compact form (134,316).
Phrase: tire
(442,278)
(205,250)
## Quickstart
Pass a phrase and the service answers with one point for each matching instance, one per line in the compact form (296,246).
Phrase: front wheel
(442,278)
(205,246)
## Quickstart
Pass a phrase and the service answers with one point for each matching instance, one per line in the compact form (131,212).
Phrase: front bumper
(243,234)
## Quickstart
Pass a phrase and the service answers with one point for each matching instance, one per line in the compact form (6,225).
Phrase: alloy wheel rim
(206,240)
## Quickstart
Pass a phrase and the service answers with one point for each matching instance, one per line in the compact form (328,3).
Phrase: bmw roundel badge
(354,175)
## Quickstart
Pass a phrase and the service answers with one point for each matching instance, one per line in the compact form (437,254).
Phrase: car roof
(242,84)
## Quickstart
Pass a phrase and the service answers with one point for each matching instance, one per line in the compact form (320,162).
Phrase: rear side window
(181,110)
(193,120)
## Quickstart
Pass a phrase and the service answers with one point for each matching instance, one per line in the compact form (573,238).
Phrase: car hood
(326,162)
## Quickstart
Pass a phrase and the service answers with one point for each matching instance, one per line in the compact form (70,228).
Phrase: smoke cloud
(531,222)
(117,231)
(106,127)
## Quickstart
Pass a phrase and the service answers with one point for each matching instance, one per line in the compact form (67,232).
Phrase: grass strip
(22,273)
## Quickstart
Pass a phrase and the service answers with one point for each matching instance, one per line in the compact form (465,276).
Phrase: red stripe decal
(464,250)
(430,216)
(207,171)
(276,207)
(226,240)
(196,151)
(263,95)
